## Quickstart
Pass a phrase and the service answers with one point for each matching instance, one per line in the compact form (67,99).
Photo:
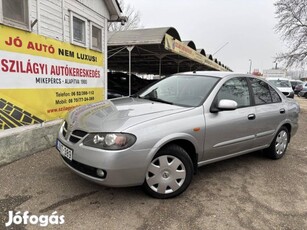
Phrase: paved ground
(248,192)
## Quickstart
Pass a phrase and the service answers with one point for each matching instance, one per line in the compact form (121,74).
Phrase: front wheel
(169,173)
(279,144)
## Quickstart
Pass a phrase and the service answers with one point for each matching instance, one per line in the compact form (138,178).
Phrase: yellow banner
(42,104)
(42,78)
(182,49)
(19,41)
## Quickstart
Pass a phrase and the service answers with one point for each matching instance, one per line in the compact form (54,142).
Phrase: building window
(16,13)
(78,25)
(96,37)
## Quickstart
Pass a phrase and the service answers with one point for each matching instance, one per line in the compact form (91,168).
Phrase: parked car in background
(299,87)
(303,92)
(118,84)
(294,83)
(283,84)
(158,137)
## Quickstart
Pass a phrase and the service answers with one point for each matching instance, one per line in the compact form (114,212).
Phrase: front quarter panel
(156,133)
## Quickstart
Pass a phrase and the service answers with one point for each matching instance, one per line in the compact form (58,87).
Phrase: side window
(261,90)
(78,30)
(275,96)
(96,35)
(16,13)
(235,89)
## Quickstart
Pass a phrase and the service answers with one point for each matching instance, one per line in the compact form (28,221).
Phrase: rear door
(269,109)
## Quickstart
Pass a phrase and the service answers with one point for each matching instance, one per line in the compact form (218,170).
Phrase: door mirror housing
(226,104)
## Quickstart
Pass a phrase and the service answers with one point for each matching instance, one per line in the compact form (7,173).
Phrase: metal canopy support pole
(130,48)
(160,63)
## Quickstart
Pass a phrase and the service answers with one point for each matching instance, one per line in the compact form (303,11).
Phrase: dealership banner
(182,49)
(42,78)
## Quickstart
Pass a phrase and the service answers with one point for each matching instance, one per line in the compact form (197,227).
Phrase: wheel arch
(187,145)
(289,128)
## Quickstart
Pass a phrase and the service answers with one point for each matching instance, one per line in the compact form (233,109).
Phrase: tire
(279,144)
(169,173)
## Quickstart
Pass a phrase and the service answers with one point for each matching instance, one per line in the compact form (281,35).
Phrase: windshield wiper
(157,100)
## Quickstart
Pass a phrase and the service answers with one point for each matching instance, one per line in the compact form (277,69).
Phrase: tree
(133,16)
(292,25)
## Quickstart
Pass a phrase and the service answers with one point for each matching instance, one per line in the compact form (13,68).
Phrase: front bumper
(122,168)
(302,93)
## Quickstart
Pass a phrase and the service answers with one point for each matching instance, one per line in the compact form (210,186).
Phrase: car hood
(119,114)
(285,89)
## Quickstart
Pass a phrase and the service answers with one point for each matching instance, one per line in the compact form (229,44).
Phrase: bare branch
(292,25)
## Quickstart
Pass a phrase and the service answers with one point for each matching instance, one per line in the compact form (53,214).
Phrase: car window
(275,96)
(184,90)
(261,90)
(235,89)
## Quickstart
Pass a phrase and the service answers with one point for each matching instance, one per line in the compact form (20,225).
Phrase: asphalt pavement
(247,192)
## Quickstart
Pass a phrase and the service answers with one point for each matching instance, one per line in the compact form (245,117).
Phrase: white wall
(54,17)
(50,18)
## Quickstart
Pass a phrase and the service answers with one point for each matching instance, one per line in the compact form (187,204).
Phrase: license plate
(65,151)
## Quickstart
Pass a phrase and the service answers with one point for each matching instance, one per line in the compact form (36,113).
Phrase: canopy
(157,51)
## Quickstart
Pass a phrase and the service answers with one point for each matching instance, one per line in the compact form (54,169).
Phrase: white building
(81,22)
(53,57)
(275,73)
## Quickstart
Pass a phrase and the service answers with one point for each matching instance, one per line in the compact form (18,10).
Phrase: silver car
(160,136)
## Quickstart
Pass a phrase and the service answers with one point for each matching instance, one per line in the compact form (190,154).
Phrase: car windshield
(281,83)
(183,90)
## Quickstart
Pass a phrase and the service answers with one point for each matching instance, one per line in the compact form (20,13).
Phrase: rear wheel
(169,173)
(279,144)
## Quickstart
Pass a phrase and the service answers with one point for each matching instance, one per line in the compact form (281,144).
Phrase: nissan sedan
(160,136)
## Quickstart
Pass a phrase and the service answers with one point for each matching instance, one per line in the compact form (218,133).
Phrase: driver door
(230,132)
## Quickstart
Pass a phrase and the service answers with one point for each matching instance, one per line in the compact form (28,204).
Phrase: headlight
(110,141)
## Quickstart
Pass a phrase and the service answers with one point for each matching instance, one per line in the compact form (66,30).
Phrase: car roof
(220,74)
(277,78)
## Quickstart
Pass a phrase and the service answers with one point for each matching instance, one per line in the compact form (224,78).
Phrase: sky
(245,27)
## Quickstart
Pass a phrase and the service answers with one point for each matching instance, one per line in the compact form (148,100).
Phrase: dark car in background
(299,87)
(294,83)
(303,92)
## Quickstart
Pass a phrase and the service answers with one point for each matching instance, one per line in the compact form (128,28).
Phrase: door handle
(282,110)
(251,116)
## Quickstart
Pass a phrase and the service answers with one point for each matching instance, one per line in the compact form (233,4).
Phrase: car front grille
(74,136)
(86,169)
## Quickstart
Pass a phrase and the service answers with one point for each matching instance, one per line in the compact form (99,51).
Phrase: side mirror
(225,104)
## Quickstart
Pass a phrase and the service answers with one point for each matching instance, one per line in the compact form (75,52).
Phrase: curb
(22,141)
